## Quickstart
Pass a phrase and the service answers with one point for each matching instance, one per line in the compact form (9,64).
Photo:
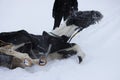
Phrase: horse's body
(52,43)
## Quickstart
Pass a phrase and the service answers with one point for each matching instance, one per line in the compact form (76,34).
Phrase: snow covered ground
(100,42)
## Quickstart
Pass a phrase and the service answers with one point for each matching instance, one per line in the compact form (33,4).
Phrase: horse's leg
(75,49)
(68,52)
(24,57)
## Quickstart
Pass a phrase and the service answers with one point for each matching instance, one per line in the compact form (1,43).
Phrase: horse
(21,48)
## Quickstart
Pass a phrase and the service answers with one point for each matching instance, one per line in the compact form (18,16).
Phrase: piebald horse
(21,49)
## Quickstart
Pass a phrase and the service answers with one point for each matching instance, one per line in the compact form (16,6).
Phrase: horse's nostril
(42,61)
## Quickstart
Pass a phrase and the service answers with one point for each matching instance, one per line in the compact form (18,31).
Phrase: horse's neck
(65,30)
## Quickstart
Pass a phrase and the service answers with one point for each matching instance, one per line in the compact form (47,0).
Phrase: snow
(100,42)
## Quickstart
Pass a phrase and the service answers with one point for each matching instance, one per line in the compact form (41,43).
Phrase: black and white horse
(55,44)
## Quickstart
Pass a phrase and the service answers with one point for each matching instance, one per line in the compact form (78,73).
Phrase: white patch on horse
(56,55)
(65,30)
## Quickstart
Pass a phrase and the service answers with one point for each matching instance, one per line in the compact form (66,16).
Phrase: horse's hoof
(42,61)
(27,62)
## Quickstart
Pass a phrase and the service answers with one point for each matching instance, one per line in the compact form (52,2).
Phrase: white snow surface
(100,42)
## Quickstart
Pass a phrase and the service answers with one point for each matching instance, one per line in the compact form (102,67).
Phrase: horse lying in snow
(21,49)
(34,51)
